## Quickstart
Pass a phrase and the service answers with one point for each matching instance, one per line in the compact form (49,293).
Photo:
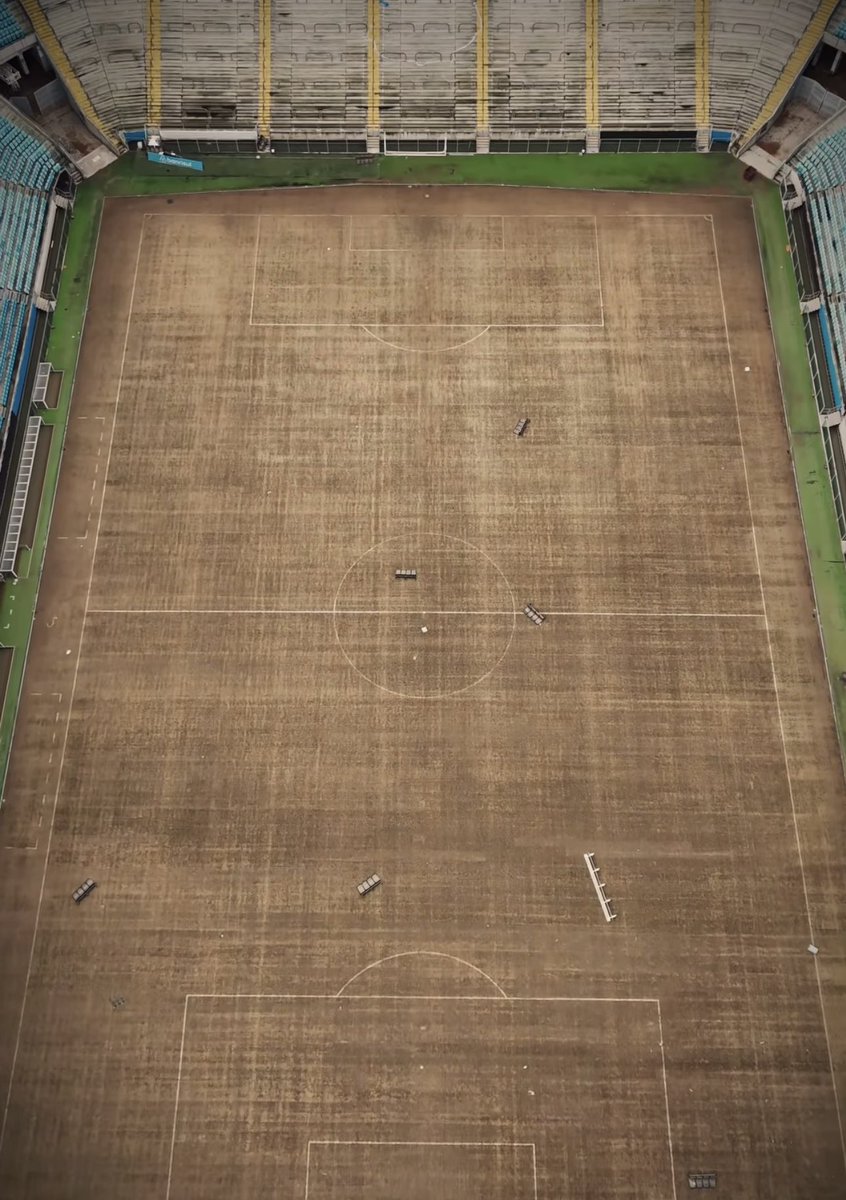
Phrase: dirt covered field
(234,714)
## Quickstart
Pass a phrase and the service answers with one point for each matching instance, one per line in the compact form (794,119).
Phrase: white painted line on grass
(70,705)
(776,692)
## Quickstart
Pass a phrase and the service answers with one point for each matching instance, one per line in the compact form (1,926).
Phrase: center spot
(426,637)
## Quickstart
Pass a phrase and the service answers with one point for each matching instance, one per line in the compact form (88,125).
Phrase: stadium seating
(12,23)
(428,66)
(647,64)
(104,42)
(537,67)
(319,67)
(313,76)
(28,171)
(751,43)
(821,165)
(209,62)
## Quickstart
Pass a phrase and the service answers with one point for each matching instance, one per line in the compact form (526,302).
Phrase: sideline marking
(72,697)
(434,612)
(776,692)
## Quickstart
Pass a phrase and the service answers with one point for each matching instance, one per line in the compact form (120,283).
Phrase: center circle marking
(428,638)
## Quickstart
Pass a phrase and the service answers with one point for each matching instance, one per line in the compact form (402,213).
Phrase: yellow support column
(374,41)
(61,64)
(483,120)
(154,63)
(792,70)
(703,73)
(591,75)
(265,57)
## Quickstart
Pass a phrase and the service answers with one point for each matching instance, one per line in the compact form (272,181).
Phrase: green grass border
(816,502)
(133,175)
(719,174)
(19,598)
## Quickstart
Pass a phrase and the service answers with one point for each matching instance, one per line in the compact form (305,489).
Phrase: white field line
(422,325)
(72,697)
(666,1101)
(176,1100)
(255,268)
(599,273)
(422,954)
(342,998)
(523,217)
(776,691)
(396,1142)
(821,634)
(433,612)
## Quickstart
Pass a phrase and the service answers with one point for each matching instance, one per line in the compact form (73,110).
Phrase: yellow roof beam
(482,66)
(703,64)
(154,63)
(592,65)
(374,40)
(265,59)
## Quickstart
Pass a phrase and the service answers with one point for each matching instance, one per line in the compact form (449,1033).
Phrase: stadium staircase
(318,68)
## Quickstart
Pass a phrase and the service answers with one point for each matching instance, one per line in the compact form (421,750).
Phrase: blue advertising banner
(174,160)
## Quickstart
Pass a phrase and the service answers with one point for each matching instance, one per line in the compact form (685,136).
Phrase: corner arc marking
(422,954)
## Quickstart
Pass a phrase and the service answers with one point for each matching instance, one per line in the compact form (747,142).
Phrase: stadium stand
(209,63)
(537,68)
(752,44)
(28,171)
(821,166)
(647,64)
(318,68)
(510,68)
(428,67)
(13,25)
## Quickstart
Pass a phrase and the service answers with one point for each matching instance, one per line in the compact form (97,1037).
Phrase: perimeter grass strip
(17,606)
(815,498)
(133,175)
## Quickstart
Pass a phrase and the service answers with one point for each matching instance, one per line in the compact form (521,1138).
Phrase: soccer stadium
(423,588)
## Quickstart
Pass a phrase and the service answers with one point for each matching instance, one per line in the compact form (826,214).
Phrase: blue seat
(10,30)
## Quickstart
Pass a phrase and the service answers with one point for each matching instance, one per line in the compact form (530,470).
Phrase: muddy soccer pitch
(235,713)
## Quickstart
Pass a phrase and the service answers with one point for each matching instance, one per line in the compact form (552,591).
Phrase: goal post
(413,147)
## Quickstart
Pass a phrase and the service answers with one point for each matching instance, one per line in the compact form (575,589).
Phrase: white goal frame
(439,153)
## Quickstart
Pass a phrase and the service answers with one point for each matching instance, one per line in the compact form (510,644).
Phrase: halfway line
(434,612)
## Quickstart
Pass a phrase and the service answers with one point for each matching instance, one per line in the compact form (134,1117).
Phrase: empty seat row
(12,23)
(821,165)
(648,53)
(12,318)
